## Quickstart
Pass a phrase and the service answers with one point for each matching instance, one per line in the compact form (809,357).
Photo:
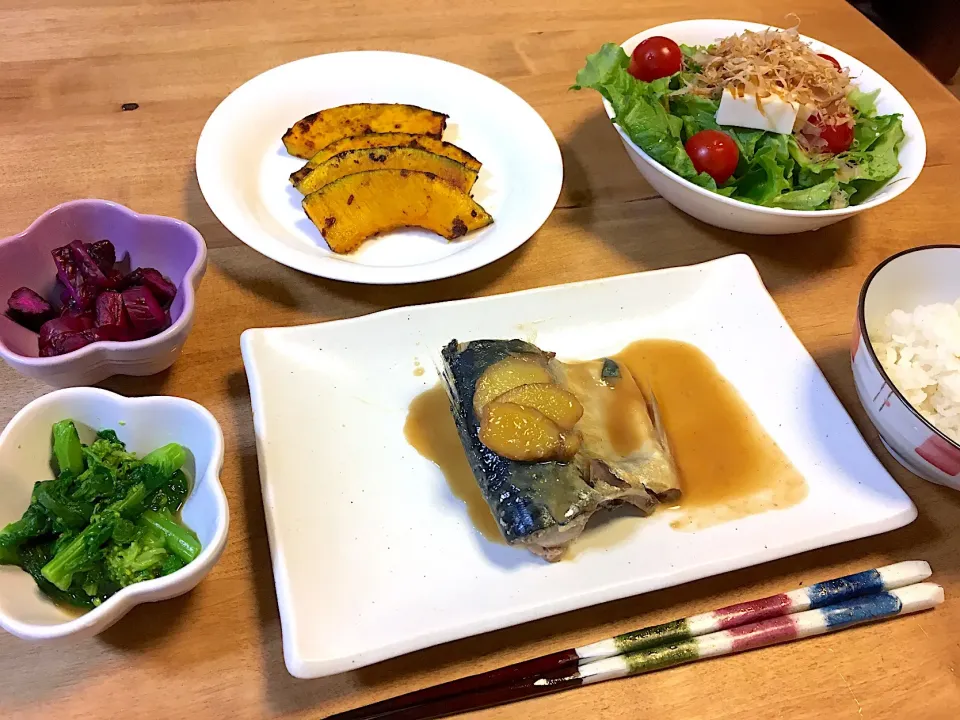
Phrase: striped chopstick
(815,596)
(564,662)
(773,631)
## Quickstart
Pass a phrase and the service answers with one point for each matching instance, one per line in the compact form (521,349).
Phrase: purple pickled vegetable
(104,254)
(61,293)
(56,335)
(89,270)
(79,319)
(112,320)
(146,314)
(163,290)
(115,279)
(92,306)
(27,308)
(82,294)
(66,323)
(68,342)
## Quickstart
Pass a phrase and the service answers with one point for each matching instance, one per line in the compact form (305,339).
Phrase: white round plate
(243,168)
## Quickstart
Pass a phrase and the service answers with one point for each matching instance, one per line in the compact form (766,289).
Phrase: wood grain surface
(65,69)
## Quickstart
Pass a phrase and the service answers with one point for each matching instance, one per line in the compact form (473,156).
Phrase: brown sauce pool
(430,430)
(729,467)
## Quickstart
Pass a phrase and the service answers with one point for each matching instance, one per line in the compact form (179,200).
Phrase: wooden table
(65,69)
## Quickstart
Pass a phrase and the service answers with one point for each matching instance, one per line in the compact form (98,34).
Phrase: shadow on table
(290,288)
(132,386)
(145,625)
(652,234)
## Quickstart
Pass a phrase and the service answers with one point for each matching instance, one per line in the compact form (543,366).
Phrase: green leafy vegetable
(688,57)
(35,523)
(810,198)
(640,110)
(864,103)
(179,540)
(67,448)
(601,68)
(141,559)
(773,170)
(106,521)
(868,170)
(768,173)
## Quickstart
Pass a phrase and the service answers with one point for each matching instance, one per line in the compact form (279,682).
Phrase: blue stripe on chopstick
(829,592)
(861,609)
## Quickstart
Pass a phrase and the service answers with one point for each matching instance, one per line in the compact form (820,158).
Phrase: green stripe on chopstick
(662,634)
(662,656)
(771,631)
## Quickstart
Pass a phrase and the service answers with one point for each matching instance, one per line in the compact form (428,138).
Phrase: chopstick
(554,670)
(772,631)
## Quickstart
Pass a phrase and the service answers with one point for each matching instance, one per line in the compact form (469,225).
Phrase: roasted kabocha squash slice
(356,207)
(315,132)
(354,161)
(377,140)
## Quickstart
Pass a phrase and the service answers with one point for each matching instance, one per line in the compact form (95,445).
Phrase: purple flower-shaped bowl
(171,246)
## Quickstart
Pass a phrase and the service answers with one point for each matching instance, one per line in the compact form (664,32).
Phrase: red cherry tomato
(654,58)
(838,137)
(714,153)
(832,60)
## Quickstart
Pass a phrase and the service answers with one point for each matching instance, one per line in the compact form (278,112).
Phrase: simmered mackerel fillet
(622,457)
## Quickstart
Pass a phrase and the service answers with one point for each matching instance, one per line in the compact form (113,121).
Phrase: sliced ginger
(558,404)
(505,375)
(519,433)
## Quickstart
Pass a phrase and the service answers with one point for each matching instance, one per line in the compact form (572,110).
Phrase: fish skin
(509,487)
(545,505)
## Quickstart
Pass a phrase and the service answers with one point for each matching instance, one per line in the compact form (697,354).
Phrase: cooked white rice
(920,351)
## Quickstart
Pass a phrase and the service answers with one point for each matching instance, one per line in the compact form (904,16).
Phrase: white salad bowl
(918,276)
(144,424)
(743,217)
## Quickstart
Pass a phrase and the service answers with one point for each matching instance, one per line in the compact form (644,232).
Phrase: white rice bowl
(920,352)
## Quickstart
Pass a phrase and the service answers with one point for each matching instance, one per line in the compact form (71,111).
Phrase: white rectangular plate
(373,555)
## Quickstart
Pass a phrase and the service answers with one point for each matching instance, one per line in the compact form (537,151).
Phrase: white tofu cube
(777,115)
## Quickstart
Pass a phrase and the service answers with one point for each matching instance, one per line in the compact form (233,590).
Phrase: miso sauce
(430,430)
(729,466)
